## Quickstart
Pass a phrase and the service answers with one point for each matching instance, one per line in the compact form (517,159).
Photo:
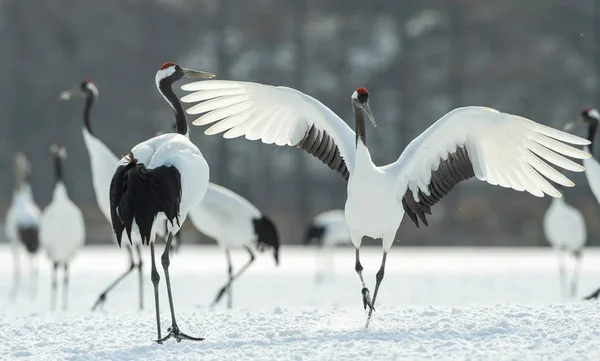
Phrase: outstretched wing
(499,148)
(279,115)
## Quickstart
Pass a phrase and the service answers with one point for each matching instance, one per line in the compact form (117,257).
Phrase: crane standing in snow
(328,229)
(499,148)
(62,229)
(161,178)
(22,224)
(590,117)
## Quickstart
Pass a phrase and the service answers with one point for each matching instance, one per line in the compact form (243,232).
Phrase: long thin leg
(102,298)
(365,291)
(35,272)
(320,264)
(234,277)
(66,287)
(562,273)
(576,270)
(174,330)
(54,286)
(378,279)
(140,274)
(230,277)
(16,271)
(155,277)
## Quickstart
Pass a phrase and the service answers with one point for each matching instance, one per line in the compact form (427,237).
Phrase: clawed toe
(174,332)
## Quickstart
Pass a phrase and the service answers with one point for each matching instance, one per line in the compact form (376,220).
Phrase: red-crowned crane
(163,177)
(590,118)
(62,229)
(499,148)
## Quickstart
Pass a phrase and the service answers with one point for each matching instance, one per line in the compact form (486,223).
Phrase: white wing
(279,115)
(103,163)
(499,148)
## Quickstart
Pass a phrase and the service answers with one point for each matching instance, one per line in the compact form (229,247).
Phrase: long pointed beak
(569,126)
(369,113)
(68,94)
(190,73)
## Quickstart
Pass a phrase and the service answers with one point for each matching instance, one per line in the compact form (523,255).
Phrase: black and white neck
(359,98)
(91,95)
(592,120)
(60,154)
(168,74)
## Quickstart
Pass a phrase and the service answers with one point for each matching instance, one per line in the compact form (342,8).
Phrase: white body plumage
(23,212)
(103,163)
(564,226)
(62,228)
(226,217)
(175,150)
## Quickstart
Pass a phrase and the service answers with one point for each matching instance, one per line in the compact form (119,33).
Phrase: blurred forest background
(418,58)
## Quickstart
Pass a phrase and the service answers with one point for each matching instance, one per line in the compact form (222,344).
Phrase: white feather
(267,108)
(564,226)
(226,217)
(62,229)
(173,149)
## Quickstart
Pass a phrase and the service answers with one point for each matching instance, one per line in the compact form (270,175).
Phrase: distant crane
(102,164)
(161,178)
(234,222)
(499,148)
(62,229)
(590,118)
(328,229)
(22,224)
(564,228)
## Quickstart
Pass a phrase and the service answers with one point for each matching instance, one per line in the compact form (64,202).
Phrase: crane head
(360,101)
(86,89)
(171,72)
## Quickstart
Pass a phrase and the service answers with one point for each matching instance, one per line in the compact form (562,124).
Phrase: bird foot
(177,335)
(367,299)
(100,301)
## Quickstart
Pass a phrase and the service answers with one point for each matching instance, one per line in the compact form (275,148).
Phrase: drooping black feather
(267,236)
(314,232)
(456,168)
(139,194)
(30,238)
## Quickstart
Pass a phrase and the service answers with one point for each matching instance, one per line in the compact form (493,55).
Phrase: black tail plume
(314,232)
(267,236)
(138,193)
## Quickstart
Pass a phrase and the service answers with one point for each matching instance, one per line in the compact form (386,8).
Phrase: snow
(434,304)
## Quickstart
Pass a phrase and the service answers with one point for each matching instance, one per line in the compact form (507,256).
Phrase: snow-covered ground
(436,304)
